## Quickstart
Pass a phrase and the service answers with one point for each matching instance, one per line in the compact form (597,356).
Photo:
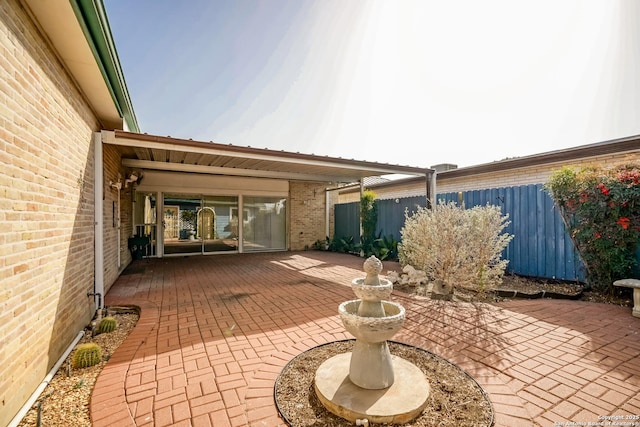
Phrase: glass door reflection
(180,224)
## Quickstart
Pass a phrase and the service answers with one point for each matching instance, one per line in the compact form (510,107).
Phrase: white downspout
(98,249)
(118,227)
(45,382)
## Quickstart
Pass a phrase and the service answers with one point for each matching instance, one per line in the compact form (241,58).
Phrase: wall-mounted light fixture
(133,177)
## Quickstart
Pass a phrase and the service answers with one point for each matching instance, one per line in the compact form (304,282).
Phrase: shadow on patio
(215,331)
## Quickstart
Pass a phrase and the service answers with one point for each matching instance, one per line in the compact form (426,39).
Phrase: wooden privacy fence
(390,217)
(541,246)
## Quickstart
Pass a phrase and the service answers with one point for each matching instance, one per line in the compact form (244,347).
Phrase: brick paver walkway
(215,331)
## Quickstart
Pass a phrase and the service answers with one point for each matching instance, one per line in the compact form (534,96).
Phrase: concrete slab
(398,404)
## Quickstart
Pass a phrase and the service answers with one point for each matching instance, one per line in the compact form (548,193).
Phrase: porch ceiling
(180,155)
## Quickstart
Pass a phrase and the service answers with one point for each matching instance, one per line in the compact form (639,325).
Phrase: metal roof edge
(620,145)
(93,20)
(236,149)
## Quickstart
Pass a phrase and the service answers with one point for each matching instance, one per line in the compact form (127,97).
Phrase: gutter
(92,18)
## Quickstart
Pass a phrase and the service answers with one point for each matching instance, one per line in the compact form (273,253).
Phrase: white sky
(396,81)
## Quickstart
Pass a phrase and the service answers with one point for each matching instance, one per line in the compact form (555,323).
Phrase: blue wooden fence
(540,247)
(391,214)
(347,220)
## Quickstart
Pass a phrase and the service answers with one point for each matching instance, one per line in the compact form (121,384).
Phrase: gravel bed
(455,399)
(65,400)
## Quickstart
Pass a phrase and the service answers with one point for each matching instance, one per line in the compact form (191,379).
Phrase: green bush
(601,210)
(343,245)
(456,246)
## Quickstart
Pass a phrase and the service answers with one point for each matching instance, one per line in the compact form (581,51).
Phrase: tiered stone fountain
(369,383)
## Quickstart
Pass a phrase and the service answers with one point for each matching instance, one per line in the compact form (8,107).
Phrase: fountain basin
(372,292)
(372,329)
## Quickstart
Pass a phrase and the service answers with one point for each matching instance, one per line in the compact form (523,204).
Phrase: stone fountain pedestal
(369,382)
(400,403)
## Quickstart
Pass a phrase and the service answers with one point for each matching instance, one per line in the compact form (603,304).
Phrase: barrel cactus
(107,324)
(86,355)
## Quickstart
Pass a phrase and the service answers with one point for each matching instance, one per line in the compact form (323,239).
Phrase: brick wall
(505,178)
(307,214)
(46,208)
(522,176)
(114,172)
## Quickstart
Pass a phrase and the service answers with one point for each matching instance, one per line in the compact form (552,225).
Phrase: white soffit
(178,155)
(58,20)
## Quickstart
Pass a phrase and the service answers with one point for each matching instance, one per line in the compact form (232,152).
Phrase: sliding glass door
(216,225)
(180,224)
(199,224)
(188,224)
(264,224)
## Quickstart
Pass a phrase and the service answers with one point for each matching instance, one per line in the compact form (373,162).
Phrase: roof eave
(144,140)
(331,169)
(79,34)
(620,145)
(93,20)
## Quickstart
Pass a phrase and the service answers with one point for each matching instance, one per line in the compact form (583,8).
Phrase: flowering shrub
(601,209)
(456,246)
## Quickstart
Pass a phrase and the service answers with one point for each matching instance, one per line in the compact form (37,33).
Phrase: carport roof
(152,152)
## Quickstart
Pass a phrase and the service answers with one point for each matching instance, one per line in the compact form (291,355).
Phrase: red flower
(623,222)
(603,189)
(584,197)
(597,235)
(630,176)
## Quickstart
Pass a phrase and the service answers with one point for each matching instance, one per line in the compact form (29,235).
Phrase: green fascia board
(92,17)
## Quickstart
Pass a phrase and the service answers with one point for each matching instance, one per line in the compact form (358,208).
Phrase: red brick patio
(215,331)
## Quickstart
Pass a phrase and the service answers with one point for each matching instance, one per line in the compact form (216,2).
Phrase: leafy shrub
(456,246)
(385,248)
(342,244)
(601,210)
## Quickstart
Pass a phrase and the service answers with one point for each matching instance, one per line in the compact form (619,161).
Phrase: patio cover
(143,151)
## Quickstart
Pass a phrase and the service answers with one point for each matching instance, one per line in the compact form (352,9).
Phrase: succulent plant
(86,355)
(107,324)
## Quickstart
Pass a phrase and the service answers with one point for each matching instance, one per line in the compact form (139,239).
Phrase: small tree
(456,246)
(368,220)
(601,210)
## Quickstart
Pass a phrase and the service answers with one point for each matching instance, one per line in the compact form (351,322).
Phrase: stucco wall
(46,209)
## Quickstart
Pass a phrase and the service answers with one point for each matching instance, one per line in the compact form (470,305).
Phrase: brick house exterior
(49,116)
(66,212)
(46,208)
(68,143)
(534,169)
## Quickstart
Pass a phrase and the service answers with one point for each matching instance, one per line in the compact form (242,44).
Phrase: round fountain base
(400,403)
